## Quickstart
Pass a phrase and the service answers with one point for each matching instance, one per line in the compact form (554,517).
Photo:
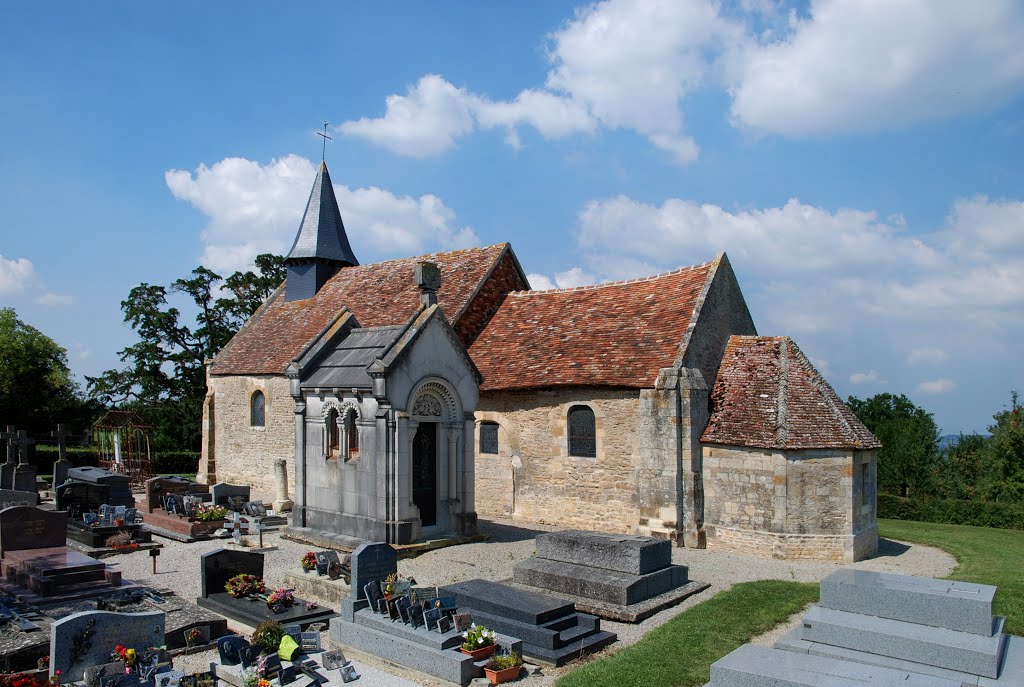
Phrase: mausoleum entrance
(424,472)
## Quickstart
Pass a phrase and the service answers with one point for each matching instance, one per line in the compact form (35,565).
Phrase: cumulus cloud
(938,386)
(256,208)
(864,377)
(631,64)
(568,279)
(15,274)
(927,355)
(53,299)
(864,66)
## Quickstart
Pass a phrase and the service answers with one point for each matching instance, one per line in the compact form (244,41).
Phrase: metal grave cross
(61,436)
(323,153)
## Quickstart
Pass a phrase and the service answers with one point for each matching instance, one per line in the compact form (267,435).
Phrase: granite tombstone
(84,639)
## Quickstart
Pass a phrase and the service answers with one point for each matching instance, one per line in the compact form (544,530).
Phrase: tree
(1003,455)
(37,390)
(165,375)
(909,455)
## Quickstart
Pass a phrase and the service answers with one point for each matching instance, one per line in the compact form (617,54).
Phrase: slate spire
(321,246)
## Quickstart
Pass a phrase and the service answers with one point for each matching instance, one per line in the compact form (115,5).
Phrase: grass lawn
(986,555)
(681,651)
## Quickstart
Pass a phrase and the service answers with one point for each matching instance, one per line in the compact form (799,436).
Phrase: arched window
(332,434)
(353,434)
(258,409)
(582,432)
(488,437)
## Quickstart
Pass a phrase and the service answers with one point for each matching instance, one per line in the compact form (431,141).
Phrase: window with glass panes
(582,432)
(488,437)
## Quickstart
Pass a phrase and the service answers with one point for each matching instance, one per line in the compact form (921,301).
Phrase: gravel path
(178,569)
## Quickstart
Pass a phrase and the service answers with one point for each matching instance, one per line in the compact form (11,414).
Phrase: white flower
(480,640)
(465,634)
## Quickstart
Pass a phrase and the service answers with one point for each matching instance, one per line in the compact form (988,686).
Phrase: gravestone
(158,487)
(79,498)
(230,649)
(217,567)
(10,497)
(222,494)
(324,561)
(7,469)
(24,472)
(62,464)
(118,489)
(87,639)
(26,527)
(371,561)
(255,509)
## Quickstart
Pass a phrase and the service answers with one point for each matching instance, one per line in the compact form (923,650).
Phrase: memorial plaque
(90,519)
(230,649)
(171,678)
(423,594)
(431,617)
(348,673)
(444,624)
(416,615)
(334,659)
(310,642)
(403,608)
(393,607)
(463,621)
(374,561)
(28,527)
(373,594)
(287,675)
(256,509)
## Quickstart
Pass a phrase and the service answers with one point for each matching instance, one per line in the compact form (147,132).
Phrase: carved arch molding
(434,399)
(341,408)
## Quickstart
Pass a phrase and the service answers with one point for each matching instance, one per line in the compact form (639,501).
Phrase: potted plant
(478,642)
(267,635)
(503,668)
(308,561)
(241,586)
(280,597)
(212,515)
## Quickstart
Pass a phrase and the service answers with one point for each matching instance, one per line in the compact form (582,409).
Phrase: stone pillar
(299,507)
(403,468)
(466,477)
(207,473)
(282,503)
(24,474)
(694,417)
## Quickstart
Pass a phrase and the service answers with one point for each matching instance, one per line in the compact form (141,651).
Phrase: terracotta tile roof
(768,395)
(381,294)
(619,334)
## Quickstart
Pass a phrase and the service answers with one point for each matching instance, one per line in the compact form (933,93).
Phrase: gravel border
(178,570)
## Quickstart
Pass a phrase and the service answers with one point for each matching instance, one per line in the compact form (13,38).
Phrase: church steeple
(321,246)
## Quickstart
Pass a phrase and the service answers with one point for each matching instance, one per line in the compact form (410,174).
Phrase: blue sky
(859,162)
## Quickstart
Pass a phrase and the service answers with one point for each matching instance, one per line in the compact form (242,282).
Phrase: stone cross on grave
(62,464)
(24,473)
(7,469)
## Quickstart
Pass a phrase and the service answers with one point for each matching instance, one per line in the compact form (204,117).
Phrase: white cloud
(568,279)
(15,274)
(927,355)
(255,208)
(938,386)
(862,66)
(53,299)
(864,377)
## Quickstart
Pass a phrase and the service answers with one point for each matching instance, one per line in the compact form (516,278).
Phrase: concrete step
(607,586)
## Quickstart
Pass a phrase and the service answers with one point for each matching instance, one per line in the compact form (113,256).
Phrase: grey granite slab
(962,651)
(373,561)
(791,642)
(507,601)
(1012,670)
(599,584)
(620,552)
(86,639)
(954,605)
(755,666)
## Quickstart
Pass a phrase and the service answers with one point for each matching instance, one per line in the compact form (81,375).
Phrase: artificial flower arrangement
(25,680)
(243,585)
(193,635)
(267,635)
(209,513)
(396,584)
(308,561)
(124,655)
(280,596)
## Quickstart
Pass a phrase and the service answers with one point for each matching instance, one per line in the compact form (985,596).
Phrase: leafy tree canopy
(164,375)
(37,390)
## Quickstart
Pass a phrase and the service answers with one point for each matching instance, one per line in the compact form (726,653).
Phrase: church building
(410,397)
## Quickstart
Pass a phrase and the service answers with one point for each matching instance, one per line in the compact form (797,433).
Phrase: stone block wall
(533,478)
(800,504)
(243,454)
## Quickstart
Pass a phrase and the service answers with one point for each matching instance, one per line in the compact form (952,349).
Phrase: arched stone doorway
(436,426)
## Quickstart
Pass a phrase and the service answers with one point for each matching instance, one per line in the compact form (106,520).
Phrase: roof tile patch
(379,295)
(769,395)
(619,334)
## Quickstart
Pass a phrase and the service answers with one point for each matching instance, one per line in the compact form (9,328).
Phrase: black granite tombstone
(119,488)
(27,527)
(373,561)
(230,649)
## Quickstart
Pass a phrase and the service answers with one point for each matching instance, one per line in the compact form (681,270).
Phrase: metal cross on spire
(323,152)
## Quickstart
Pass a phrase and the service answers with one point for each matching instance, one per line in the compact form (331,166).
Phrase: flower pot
(480,654)
(125,547)
(118,522)
(498,676)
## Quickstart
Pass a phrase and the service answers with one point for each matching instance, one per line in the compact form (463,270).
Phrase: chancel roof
(378,295)
(769,395)
(619,334)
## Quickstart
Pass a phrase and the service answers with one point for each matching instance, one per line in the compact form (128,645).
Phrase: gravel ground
(178,569)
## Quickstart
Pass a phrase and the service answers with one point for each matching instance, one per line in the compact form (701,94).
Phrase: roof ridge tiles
(621,282)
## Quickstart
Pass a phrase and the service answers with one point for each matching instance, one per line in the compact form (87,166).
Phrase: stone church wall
(533,478)
(797,505)
(244,454)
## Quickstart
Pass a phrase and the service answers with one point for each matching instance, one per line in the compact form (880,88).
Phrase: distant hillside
(950,439)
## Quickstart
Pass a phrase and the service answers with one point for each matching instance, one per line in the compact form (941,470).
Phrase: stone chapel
(410,397)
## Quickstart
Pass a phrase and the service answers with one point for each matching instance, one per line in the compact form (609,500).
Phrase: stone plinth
(618,552)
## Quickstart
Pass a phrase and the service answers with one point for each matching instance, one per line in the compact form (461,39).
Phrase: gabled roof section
(768,395)
(618,335)
(403,344)
(378,295)
(345,366)
(321,234)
